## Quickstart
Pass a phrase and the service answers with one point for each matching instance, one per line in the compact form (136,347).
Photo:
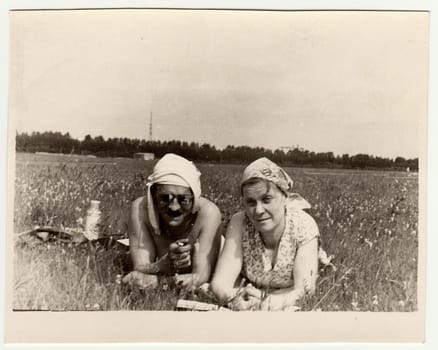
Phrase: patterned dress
(257,266)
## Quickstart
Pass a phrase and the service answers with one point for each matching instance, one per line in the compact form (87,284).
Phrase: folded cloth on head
(173,170)
(265,169)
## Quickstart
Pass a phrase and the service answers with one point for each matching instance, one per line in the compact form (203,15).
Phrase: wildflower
(354,301)
(375,300)
(401,303)
(118,279)
(367,241)
(325,260)
(96,306)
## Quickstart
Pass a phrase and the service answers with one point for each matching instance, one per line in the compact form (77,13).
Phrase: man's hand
(180,255)
(141,280)
(188,281)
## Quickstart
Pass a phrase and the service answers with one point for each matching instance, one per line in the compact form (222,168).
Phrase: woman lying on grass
(273,244)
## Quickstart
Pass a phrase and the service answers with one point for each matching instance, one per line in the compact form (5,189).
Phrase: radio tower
(150,128)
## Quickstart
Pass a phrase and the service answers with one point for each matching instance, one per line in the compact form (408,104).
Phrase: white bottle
(93,220)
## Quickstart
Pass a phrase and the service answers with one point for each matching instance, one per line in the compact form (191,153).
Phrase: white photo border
(431,256)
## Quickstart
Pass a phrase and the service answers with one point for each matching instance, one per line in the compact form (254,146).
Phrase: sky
(327,81)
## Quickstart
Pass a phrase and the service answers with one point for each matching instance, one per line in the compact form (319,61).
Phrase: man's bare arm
(141,247)
(206,253)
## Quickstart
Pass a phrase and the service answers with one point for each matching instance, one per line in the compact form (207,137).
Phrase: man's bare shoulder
(236,226)
(208,209)
(138,207)
(238,218)
(138,201)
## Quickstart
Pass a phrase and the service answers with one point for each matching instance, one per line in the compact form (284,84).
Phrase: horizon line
(293,147)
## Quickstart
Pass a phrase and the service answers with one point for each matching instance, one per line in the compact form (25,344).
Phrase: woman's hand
(276,302)
(180,255)
(252,291)
(273,303)
(244,302)
(247,298)
(282,300)
(141,280)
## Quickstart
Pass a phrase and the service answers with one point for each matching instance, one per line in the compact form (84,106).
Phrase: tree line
(56,142)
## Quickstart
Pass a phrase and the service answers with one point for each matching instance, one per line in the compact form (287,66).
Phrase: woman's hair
(256,180)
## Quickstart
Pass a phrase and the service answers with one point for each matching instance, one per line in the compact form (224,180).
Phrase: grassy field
(367,219)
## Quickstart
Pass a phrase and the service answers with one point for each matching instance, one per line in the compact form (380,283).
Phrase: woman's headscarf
(172,169)
(267,170)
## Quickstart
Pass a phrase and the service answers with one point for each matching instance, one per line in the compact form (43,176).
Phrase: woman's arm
(305,275)
(230,261)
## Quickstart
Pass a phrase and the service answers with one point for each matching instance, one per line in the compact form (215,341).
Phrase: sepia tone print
(218,161)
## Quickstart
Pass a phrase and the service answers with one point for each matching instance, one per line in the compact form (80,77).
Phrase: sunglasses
(165,199)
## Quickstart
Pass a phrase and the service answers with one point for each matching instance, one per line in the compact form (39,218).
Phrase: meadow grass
(367,219)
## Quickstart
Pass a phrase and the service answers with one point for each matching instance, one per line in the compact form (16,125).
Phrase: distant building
(144,156)
(287,149)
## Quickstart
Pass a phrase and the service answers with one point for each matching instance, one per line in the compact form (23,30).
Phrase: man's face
(174,203)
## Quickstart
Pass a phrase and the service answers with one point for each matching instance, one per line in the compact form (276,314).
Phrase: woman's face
(264,204)
(174,203)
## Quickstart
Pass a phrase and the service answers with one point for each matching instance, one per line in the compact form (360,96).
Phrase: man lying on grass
(173,230)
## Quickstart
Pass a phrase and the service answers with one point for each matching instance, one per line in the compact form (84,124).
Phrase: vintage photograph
(217,160)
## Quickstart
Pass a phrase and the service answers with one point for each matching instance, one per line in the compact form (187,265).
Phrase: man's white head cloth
(172,169)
